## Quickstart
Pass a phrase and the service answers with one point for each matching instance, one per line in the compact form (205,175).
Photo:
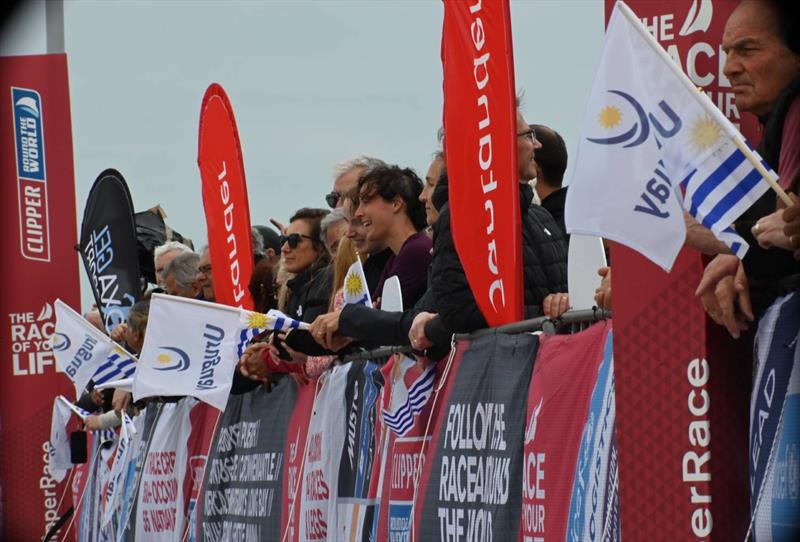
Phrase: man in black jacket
(544,252)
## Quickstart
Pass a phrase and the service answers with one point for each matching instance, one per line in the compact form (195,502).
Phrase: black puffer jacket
(544,252)
(310,292)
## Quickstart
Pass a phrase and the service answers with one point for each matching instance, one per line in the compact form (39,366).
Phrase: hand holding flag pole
(705,102)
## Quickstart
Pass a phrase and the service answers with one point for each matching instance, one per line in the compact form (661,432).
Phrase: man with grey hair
(332,229)
(180,275)
(163,255)
(346,176)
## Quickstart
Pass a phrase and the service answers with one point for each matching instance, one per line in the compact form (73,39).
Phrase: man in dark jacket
(544,252)
(551,162)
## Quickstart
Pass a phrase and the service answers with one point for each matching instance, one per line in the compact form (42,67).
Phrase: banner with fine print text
(219,156)
(38,225)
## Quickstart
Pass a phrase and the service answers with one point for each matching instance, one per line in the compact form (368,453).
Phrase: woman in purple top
(392,214)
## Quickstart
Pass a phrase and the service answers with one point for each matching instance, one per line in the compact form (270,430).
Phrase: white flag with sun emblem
(355,286)
(189,349)
(648,135)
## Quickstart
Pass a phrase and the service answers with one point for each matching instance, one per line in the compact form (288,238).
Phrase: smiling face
(758,64)
(296,260)
(431,178)
(526,147)
(377,215)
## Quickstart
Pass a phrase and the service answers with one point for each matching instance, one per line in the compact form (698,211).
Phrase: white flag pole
(704,101)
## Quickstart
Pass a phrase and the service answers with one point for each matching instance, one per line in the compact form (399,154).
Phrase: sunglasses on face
(293,239)
(332,199)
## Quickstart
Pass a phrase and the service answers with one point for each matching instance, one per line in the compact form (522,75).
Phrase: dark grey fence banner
(474,469)
(243,479)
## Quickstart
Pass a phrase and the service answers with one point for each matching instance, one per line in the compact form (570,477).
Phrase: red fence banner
(294,454)
(569,438)
(681,383)
(38,225)
(470,485)
(219,157)
(481,153)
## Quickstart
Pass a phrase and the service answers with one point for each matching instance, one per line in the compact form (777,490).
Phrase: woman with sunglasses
(304,255)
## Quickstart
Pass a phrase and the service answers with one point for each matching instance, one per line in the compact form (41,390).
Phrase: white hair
(169,246)
(367,162)
(184,267)
(334,217)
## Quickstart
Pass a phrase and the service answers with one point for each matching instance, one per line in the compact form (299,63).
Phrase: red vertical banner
(219,156)
(682,385)
(38,225)
(481,153)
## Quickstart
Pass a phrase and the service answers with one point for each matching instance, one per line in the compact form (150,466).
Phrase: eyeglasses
(205,269)
(530,134)
(293,239)
(332,199)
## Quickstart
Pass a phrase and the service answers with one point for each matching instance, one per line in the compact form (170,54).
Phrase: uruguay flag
(355,286)
(652,145)
(255,323)
(118,365)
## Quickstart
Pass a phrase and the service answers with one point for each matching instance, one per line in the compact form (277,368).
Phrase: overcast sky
(312,83)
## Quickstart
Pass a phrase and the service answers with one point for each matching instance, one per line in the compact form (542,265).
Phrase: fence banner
(327,430)
(405,398)
(219,156)
(243,488)
(37,198)
(568,438)
(89,502)
(109,249)
(775,424)
(294,458)
(159,502)
(481,153)
(470,485)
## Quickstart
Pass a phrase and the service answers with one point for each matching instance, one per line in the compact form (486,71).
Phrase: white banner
(160,501)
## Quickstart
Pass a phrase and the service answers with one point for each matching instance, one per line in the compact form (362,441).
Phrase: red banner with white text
(682,384)
(38,226)
(219,156)
(481,153)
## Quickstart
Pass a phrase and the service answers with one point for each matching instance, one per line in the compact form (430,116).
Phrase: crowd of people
(398,224)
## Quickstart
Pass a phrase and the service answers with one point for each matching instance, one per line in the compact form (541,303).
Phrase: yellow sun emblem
(164,358)
(610,116)
(704,133)
(256,320)
(353,284)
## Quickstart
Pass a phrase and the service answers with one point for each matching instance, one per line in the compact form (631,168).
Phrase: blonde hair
(345,257)
(282,276)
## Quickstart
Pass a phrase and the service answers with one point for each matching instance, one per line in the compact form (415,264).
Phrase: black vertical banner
(108,248)
(473,490)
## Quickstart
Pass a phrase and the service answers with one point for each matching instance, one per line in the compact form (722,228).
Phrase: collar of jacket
(307,275)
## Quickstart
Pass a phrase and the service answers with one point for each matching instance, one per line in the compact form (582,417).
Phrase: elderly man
(346,179)
(180,275)
(163,255)
(203,280)
(763,66)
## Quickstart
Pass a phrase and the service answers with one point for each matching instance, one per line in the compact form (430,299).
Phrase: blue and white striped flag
(255,323)
(647,135)
(401,419)
(720,189)
(118,365)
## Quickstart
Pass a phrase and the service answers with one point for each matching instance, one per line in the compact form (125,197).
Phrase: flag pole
(704,101)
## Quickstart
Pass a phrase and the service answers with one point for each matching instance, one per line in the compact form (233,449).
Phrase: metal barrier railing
(577,319)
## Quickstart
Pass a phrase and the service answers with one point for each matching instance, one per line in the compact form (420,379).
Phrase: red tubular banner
(37,195)
(682,385)
(481,153)
(219,156)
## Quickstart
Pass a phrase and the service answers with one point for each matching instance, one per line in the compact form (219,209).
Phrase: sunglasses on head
(332,199)
(293,239)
